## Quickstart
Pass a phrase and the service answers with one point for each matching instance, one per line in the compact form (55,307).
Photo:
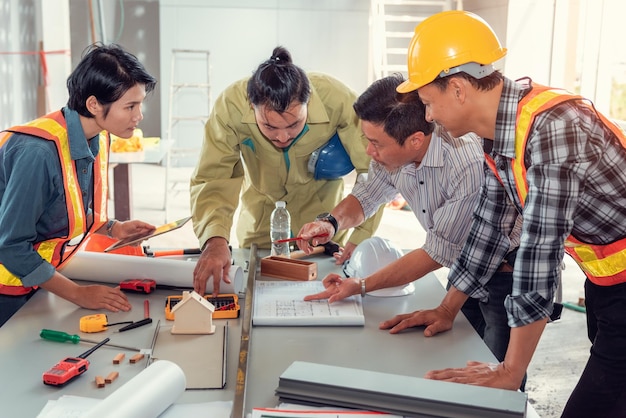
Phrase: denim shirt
(32,196)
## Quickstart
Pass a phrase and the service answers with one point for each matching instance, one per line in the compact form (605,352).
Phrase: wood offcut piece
(288,269)
(111,377)
(118,358)
(100,381)
(136,358)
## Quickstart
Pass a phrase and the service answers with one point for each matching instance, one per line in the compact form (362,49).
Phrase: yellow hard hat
(450,42)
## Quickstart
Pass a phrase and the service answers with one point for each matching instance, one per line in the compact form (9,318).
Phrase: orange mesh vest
(52,127)
(604,265)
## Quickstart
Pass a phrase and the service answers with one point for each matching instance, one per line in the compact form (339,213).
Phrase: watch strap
(109,227)
(330,218)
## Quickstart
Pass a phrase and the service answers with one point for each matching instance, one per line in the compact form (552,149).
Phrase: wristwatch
(328,218)
(109,227)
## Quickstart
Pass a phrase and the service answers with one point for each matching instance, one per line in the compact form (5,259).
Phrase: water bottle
(280,228)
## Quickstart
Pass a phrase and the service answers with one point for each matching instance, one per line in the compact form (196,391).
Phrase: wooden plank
(288,269)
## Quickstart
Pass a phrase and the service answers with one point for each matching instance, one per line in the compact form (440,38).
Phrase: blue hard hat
(330,161)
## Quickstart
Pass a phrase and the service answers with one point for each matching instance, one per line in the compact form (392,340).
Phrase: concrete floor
(562,351)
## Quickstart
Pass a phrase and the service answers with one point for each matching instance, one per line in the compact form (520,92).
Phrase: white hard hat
(370,256)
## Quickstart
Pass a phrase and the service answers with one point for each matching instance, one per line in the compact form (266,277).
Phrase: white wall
(324,35)
(574,44)
(56,39)
(529,40)
(19,65)
(23,24)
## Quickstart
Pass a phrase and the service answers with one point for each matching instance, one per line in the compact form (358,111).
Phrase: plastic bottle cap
(280,204)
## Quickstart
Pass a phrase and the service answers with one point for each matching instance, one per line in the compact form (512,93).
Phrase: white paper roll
(146,395)
(235,274)
(170,271)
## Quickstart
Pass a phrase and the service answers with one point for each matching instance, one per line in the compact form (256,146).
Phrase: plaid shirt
(576,185)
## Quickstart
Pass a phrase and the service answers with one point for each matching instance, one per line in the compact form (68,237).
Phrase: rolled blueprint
(170,271)
(147,395)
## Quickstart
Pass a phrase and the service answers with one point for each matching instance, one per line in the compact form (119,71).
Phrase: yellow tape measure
(93,323)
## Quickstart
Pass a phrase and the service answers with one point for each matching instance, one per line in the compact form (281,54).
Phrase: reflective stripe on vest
(53,127)
(604,265)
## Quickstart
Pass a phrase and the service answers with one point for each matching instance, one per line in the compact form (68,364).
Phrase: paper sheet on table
(68,406)
(280,303)
(150,394)
(170,271)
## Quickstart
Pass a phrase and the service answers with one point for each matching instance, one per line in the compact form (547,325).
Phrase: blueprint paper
(280,303)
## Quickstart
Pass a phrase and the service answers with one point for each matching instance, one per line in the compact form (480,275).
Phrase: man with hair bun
(281,134)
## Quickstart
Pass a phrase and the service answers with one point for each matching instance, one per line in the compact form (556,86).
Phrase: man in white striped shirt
(439,176)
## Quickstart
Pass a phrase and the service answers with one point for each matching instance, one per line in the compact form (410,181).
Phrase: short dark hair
(486,83)
(401,115)
(106,72)
(277,82)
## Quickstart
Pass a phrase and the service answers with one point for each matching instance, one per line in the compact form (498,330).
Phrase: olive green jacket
(237,161)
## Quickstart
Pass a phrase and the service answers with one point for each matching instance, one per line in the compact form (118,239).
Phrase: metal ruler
(238,410)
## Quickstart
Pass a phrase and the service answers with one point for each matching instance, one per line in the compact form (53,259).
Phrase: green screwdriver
(60,336)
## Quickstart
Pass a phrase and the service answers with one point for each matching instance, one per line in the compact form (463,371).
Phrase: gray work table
(24,356)
(368,348)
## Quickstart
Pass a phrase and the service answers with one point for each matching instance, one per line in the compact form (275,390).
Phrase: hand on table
(90,297)
(436,320)
(336,288)
(102,297)
(215,261)
(480,374)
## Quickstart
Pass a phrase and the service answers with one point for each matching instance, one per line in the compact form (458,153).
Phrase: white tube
(113,268)
(146,395)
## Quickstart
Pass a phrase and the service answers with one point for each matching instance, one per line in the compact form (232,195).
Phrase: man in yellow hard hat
(557,161)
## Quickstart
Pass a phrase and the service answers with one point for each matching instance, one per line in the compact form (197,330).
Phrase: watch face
(327,217)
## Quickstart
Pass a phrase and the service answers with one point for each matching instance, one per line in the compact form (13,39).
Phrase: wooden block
(99,381)
(288,269)
(111,377)
(118,358)
(136,358)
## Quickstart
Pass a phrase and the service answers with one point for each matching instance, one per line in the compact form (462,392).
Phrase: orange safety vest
(604,265)
(53,127)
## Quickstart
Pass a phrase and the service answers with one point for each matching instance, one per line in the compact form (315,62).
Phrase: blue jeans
(471,310)
(497,330)
(489,318)
(492,320)
(601,389)
(11,304)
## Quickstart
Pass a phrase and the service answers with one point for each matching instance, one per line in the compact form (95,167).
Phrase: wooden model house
(193,315)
